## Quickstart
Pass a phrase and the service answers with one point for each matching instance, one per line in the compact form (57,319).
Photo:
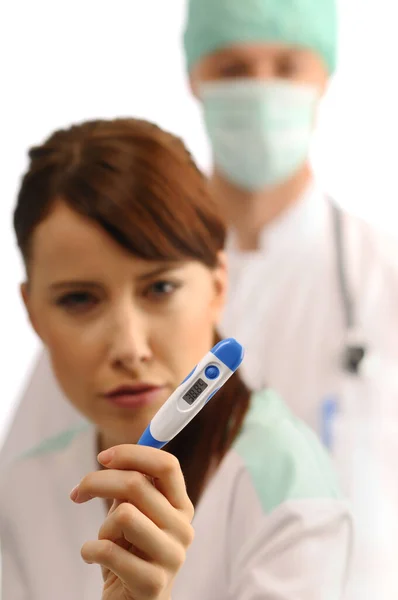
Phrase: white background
(68,61)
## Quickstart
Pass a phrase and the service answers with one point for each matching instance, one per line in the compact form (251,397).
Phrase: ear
(198,74)
(326,84)
(194,84)
(26,298)
(220,285)
(323,84)
(323,77)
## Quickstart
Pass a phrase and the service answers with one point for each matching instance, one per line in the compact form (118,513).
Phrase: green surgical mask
(260,131)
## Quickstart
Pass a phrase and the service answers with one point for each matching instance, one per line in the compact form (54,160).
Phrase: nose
(128,339)
(263,70)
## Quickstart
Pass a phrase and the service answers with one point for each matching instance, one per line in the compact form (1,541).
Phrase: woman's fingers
(129,524)
(135,488)
(143,540)
(161,466)
(144,579)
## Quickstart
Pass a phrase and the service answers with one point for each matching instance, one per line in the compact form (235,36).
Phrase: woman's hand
(142,542)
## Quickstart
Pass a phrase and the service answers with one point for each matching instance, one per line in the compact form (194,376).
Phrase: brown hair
(140,184)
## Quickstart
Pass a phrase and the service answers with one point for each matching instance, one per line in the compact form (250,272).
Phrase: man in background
(313,289)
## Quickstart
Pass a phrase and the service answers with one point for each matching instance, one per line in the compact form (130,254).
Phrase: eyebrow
(232,57)
(76,283)
(79,283)
(160,270)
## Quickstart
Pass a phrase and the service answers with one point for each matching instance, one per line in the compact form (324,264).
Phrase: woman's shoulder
(284,458)
(55,445)
(283,508)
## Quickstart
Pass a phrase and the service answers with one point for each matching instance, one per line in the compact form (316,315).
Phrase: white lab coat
(270,524)
(285,308)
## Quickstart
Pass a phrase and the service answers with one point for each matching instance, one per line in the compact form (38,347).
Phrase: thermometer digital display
(194,392)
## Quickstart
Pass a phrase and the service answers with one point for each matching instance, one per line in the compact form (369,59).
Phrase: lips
(130,390)
(135,396)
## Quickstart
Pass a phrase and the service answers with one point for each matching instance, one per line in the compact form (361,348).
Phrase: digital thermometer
(194,392)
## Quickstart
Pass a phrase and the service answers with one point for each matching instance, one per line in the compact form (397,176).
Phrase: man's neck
(247,213)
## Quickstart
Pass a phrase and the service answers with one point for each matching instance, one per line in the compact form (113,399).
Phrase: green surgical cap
(215,24)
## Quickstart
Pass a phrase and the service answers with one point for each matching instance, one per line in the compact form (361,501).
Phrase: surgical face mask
(260,131)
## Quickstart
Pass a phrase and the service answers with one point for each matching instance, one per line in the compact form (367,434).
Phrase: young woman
(125,285)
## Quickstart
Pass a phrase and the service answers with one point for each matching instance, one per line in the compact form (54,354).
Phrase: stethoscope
(353,353)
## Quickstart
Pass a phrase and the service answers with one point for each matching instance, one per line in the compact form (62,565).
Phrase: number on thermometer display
(195,391)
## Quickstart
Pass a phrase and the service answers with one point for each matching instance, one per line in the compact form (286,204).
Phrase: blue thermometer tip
(147,439)
(230,352)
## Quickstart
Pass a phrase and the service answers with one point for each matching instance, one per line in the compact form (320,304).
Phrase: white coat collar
(298,224)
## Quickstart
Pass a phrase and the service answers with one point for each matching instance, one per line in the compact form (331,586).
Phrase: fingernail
(106,456)
(74,493)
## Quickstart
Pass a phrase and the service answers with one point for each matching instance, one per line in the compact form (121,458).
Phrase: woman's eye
(162,288)
(77,301)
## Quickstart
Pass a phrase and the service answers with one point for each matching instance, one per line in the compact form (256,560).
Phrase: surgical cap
(215,24)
